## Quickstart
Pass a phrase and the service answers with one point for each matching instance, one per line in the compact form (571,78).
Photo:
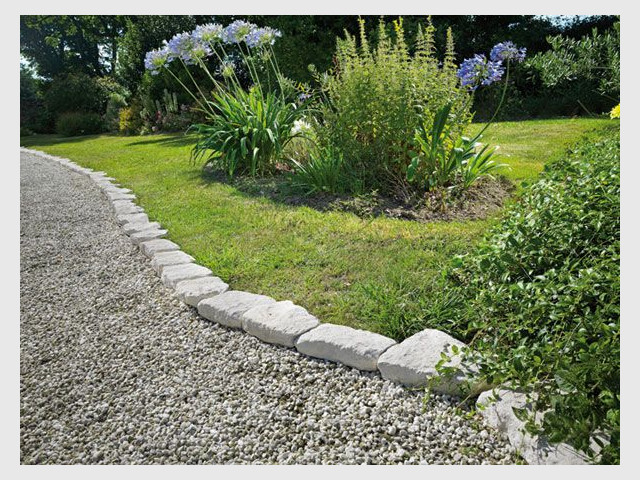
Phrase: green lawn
(378,274)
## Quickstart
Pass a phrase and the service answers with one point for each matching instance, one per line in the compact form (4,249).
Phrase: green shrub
(71,124)
(75,92)
(545,287)
(112,116)
(377,97)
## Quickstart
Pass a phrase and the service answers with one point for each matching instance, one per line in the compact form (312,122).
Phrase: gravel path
(114,370)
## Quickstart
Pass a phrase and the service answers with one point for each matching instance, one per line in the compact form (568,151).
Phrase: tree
(57,44)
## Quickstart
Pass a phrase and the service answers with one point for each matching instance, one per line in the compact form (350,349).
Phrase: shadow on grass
(53,139)
(482,200)
(176,140)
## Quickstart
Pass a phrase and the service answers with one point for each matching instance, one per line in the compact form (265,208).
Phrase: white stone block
(146,235)
(536,450)
(280,323)
(164,259)
(356,348)
(413,363)
(125,218)
(227,308)
(150,248)
(122,207)
(173,274)
(133,227)
(194,291)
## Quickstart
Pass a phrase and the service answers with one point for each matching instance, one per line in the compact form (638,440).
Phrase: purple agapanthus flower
(237,31)
(303,97)
(188,47)
(478,71)
(209,33)
(260,37)
(156,59)
(507,51)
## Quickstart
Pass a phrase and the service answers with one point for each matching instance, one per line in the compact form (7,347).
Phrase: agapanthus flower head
(303,97)
(507,51)
(188,47)
(260,37)
(301,126)
(227,67)
(209,33)
(156,59)
(237,31)
(478,71)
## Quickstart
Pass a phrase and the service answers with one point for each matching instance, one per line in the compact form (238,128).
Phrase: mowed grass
(378,274)
(527,146)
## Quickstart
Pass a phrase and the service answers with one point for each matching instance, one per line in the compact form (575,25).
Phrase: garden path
(114,369)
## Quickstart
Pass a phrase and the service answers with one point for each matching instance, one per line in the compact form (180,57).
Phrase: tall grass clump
(376,97)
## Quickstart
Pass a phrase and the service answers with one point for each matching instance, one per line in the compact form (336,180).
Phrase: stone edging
(410,362)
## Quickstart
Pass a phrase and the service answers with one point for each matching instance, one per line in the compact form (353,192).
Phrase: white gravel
(115,370)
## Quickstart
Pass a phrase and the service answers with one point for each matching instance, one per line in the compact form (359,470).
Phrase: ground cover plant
(543,296)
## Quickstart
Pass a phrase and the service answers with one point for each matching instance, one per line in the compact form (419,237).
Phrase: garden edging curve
(410,362)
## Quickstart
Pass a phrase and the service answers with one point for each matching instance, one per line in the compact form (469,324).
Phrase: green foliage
(246,131)
(33,114)
(591,64)
(546,288)
(63,44)
(79,92)
(324,171)
(71,124)
(377,97)
(446,159)
(73,93)
(112,115)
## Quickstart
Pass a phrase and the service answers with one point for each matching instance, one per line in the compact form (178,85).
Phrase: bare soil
(480,201)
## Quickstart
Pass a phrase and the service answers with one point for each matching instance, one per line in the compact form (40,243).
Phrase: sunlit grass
(342,268)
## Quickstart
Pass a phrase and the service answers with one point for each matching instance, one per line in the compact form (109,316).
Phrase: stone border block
(227,308)
(146,235)
(134,227)
(164,259)
(123,207)
(413,363)
(536,450)
(356,348)
(150,248)
(173,274)
(113,196)
(125,218)
(194,291)
(280,323)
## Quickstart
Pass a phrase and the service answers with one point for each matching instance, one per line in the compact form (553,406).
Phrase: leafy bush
(33,115)
(377,97)
(545,287)
(112,116)
(71,124)
(78,92)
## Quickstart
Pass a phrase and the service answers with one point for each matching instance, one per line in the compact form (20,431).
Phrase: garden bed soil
(480,201)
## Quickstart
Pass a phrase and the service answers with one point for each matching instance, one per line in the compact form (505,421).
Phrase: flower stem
(504,91)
